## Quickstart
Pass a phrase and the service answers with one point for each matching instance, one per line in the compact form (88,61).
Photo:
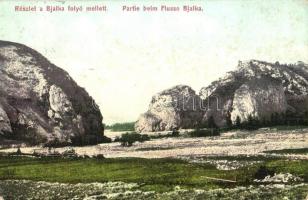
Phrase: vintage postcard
(161,99)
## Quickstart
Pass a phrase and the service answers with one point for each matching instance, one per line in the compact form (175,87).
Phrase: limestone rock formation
(259,99)
(41,103)
(256,88)
(174,108)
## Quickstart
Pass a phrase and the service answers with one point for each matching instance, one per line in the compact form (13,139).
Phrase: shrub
(18,151)
(238,122)
(211,122)
(175,133)
(56,143)
(99,156)
(262,172)
(205,132)
(70,153)
(127,139)
(229,123)
(106,139)
(89,140)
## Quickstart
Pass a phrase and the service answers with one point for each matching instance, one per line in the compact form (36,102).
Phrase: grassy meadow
(158,175)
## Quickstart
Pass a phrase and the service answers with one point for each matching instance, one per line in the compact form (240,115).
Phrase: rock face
(258,89)
(258,98)
(255,88)
(177,107)
(41,103)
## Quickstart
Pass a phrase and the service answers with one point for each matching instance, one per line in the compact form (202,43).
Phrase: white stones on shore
(280,178)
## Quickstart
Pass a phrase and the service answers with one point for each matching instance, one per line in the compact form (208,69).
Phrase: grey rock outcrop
(41,103)
(174,108)
(259,99)
(5,126)
(256,88)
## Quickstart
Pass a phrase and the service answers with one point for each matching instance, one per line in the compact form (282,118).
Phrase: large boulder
(174,108)
(41,103)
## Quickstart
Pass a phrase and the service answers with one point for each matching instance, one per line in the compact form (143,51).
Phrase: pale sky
(123,59)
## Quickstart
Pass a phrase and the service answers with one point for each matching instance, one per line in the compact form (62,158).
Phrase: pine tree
(289,117)
(238,122)
(18,151)
(282,119)
(251,123)
(273,120)
(257,123)
(306,118)
(229,121)
(250,120)
(211,122)
(263,122)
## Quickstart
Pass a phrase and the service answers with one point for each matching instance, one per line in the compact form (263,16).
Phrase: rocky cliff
(258,88)
(171,109)
(255,88)
(258,98)
(41,103)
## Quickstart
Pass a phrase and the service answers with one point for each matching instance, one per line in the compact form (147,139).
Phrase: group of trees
(210,128)
(210,123)
(275,119)
(207,128)
(127,139)
(127,126)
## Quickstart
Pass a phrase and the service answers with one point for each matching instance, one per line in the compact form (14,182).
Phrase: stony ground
(228,144)
(195,150)
(19,190)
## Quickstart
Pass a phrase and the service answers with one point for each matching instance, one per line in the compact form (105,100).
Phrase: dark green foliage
(18,151)
(292,118)
(211,122)
(306,118)
(70,153)
(229,121)
(276,119)
(238,122)
(127,126)
(57,143)
(106,139)
(128,139)
(252,123)
(263,171)
(99,156)
(80,141)
(289,151)
(175,133)
(205,132)
(203,124)
(264,122)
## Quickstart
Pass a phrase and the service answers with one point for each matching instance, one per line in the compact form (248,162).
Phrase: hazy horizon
(123,59)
